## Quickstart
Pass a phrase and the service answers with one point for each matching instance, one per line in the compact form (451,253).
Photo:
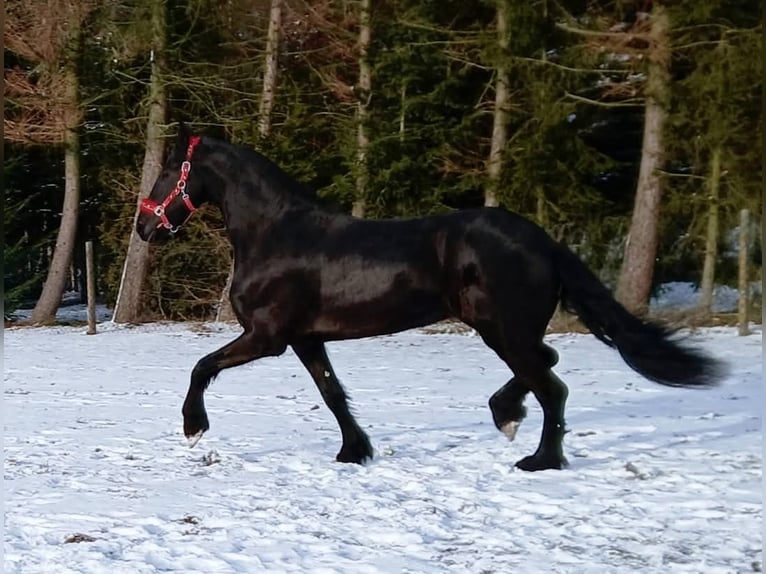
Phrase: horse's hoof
(358,453)
(194,439)
(195,426)
(510,429)
(533,463)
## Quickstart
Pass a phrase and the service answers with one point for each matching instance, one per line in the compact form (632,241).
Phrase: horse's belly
(389,313)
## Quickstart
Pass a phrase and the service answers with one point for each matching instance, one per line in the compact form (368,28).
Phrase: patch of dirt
(449,326)
(189,519)
(77,538)
(566,323)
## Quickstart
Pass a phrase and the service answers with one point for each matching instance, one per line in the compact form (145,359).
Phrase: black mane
(270,171)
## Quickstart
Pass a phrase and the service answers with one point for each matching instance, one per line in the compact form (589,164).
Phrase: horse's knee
(550,355)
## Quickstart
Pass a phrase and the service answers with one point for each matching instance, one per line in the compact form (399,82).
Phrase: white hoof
(510,428)
(194,439)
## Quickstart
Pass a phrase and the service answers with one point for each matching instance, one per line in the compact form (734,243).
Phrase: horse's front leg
(245,348)
(356,446)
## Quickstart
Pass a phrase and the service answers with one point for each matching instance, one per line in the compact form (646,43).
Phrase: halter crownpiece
(158,209)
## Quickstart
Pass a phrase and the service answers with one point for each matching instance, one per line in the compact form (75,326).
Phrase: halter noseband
(158,209)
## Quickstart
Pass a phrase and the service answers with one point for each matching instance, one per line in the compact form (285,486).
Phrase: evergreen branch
(438,30)
(726,34)
(130,77)
(598,34)
(325,24)
(726,29)
(570,68)
(476,42)
(469,63)
(199,82)
(681,175)
(697,44)
(630,103)
(564,12)
(705,26)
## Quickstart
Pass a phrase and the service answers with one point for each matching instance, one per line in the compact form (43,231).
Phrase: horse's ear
(178,152)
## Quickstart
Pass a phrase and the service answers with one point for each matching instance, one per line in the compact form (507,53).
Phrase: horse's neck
(261,200)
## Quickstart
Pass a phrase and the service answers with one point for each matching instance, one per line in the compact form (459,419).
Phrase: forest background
(599,120)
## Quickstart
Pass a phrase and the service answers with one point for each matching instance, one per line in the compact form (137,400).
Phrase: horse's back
(472,265)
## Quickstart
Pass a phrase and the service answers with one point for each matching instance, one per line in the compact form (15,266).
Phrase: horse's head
(176,193)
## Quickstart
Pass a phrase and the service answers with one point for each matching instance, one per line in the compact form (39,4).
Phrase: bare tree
(502,98)
(647,39)
(711,240)
(128,305)
(635,280)
(268,94)
(717,132)
(45,108)
(271,68)
(364,94)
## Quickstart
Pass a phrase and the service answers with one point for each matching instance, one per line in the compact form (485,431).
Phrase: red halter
(158,209)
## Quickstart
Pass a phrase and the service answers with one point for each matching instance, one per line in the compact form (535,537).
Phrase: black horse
(306,273)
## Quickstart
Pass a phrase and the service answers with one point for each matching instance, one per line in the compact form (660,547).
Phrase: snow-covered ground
(99,480)
(682,296)
(672,296)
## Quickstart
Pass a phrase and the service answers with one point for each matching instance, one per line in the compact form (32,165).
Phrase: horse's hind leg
(356,446)
(532,369)
(507,404)
(551,393)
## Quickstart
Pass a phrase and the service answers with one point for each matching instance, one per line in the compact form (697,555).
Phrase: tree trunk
(55,283)
(742,277)
(403,113)
(711,243)
(635,281)
(225,311)
(270,74)
(128,305)
(271,69)
(502,97)
(541,217)
(363,100)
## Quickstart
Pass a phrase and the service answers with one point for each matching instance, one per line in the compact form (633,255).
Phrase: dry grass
(77,538)
(566,323)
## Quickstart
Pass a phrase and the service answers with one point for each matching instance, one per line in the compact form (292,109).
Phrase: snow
(674,295)
(70,311)
(99,478)
(679,296)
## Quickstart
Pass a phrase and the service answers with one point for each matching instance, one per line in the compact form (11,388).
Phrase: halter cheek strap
(158,209)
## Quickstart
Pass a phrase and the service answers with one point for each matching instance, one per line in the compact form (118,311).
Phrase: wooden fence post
(91,280)
(744,287)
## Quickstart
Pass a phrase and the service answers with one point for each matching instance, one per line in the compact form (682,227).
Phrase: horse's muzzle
(147,229)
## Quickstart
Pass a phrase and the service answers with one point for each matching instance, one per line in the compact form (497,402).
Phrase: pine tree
(714,110)
(48,35)
(634,284)
(131,291)
(501,104)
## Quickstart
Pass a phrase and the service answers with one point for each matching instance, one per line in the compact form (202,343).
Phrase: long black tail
(648,348)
